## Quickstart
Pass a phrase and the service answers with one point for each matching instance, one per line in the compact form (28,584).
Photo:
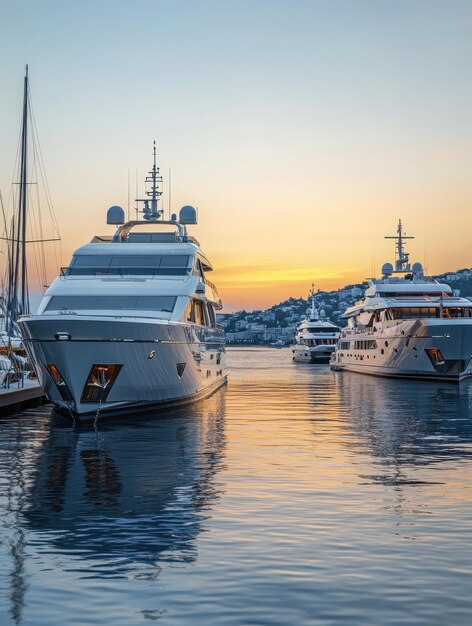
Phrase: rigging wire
(23,219)
(45,185)
(44,178)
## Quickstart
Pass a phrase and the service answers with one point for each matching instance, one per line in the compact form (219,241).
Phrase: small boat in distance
(130,323)
(316,337)
(407,326)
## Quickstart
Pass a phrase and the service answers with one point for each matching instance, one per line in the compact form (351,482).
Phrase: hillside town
(278,324)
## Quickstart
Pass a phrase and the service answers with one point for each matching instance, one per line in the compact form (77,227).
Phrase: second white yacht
(407,326)
(131,322)
(316,337)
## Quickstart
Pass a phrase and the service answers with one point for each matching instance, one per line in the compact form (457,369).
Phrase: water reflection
(124,500)
(328,498)
(406,422)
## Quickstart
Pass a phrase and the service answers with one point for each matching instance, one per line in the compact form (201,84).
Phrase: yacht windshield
(112,303)
(420,312)
(322,329)
(412,294)
(127,264)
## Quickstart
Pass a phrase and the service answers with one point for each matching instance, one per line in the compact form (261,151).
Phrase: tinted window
(91,260)
(189,315)
(136,261)
(174,260)
(141,264)
(211,316)
(112,303)
(199,317)
(323,329)
(195,313)
(414,312)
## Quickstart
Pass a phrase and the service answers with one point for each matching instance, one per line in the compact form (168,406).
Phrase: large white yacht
(131,322)
(407,326)
(316,337)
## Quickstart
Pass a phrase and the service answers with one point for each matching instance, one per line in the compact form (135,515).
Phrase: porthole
(386,344)
(382,351)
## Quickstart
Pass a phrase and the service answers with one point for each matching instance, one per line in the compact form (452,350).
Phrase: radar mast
(153,183)
(402,261)
(314,311)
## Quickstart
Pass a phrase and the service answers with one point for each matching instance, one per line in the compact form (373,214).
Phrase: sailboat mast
(18,300)
(23,198)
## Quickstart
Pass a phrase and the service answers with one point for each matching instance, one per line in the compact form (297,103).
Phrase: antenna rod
(137,210)
(170,193)
(154,186)
(128,196)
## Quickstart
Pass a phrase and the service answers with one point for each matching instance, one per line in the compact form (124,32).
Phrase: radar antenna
(402,261)
(153,181)
(314,311)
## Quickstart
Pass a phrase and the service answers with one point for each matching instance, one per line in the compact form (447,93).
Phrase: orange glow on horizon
(263,284)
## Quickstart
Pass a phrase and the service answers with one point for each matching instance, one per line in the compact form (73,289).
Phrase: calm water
(295,496)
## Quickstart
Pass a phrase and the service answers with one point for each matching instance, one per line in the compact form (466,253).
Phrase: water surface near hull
(295,495)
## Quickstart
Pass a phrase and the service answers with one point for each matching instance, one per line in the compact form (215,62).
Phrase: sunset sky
(301,130)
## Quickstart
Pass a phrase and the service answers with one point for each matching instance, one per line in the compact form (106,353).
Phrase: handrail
(124,229)
(210,284)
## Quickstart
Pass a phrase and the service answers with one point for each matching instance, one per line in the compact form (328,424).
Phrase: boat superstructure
(130,323)
(316,337)
(407,326)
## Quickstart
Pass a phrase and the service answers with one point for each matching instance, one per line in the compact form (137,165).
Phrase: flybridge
(179,235)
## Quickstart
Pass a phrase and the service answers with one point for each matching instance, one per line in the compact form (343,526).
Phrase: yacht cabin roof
(142,249)
(398,293)
(406,287)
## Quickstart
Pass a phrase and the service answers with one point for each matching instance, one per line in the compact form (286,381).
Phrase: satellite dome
(188,215)
(387,269)
(115,215)
(417,267)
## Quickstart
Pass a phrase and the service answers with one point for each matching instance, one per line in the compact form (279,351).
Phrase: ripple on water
(294,496)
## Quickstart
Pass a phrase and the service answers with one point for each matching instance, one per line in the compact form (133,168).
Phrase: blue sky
(335,117)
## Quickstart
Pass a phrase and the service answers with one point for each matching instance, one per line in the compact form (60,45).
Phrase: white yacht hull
(159,363)
(434,349)
(312,354)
